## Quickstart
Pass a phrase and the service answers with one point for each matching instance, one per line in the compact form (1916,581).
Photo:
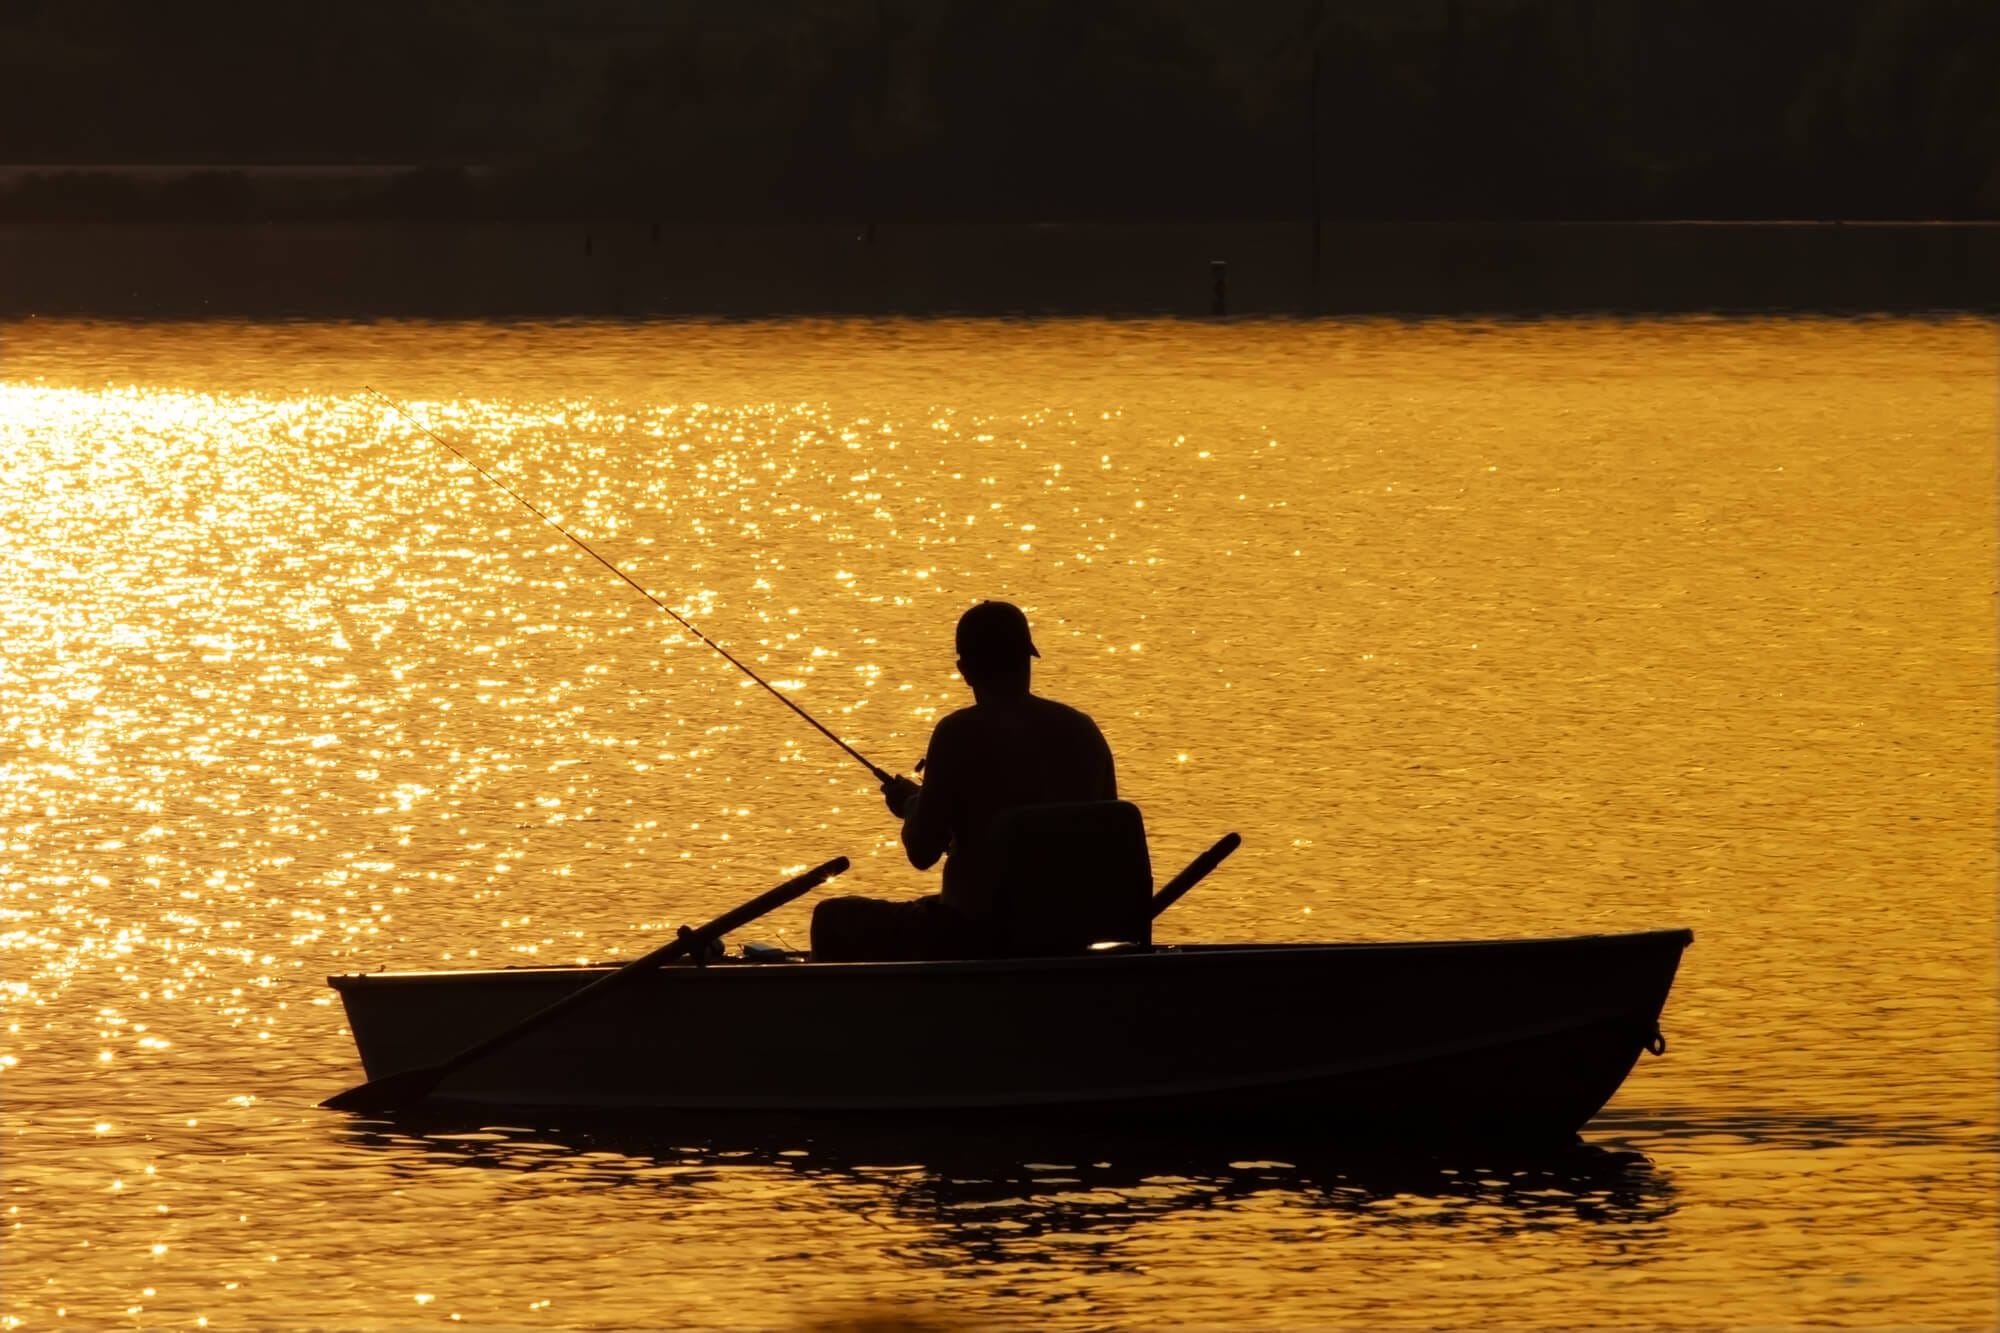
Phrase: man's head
(994,647)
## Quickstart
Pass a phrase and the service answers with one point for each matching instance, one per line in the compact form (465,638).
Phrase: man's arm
(927,809)
(903,798)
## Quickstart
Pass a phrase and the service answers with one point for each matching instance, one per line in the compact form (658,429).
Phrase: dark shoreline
(455,270)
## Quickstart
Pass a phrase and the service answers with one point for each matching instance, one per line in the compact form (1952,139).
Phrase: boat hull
(1521,1039)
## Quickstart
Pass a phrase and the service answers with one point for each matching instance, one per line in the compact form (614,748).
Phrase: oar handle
(413,1085)
(1170,892)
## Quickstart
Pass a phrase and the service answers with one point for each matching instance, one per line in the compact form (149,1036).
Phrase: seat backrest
(1070,876)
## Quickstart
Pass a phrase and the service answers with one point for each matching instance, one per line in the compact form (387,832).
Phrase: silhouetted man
(1011,748)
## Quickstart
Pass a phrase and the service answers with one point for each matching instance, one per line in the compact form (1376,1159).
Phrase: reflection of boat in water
(993,1196)
(1522,1039)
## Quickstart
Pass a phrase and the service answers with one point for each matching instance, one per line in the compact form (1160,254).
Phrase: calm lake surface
(1470,630)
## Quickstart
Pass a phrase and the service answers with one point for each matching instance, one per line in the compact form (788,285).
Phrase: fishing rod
(881,775)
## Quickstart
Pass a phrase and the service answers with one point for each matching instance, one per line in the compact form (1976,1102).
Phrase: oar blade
(380,1096)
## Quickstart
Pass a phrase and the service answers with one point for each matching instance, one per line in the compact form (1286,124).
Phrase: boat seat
(1070,876)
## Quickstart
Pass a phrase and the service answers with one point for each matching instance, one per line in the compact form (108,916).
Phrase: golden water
(1470,631)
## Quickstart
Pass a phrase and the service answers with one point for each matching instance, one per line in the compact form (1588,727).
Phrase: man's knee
(877,930)
(840,929)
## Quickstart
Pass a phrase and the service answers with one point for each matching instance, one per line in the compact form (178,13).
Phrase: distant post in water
(1218,296)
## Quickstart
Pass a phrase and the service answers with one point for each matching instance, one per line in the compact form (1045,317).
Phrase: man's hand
(898,792)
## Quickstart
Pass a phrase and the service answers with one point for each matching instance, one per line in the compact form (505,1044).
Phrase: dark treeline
(919,110)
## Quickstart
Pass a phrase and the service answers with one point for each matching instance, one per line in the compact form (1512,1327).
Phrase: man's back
(993,756)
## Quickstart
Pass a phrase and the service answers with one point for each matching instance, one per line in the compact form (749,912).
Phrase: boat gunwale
(1137,958)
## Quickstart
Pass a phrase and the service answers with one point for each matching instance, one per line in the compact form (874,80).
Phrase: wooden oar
(1170,892)
(404,1088)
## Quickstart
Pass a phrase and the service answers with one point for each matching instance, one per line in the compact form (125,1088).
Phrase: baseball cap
(995,632)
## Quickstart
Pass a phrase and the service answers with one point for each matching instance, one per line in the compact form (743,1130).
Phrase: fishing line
(880,774)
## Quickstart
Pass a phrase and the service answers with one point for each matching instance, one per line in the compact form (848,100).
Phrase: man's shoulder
(958,720)
(959,727)
(1061,719)
(1059,709)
